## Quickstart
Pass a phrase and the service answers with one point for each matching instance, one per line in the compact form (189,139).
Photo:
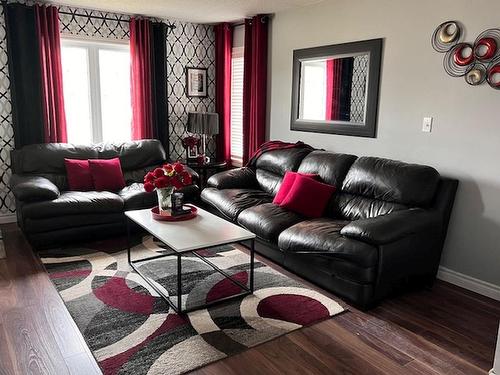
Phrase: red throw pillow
(308,197)
(107,174)
(78,174)
(287,184)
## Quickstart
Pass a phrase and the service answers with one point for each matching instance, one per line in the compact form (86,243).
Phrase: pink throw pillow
(308,197)
(287,183)
(78,175)
(107,174)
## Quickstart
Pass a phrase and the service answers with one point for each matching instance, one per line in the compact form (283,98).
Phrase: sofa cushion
(272,165)
(392,181)
(331,167)
(268,181)
(75,203)
(133,154)
(280,161)
(354,207)
(267,220)
(230,202)
(135,197)
(322,236)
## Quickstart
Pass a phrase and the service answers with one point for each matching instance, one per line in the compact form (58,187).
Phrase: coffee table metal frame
(178,307)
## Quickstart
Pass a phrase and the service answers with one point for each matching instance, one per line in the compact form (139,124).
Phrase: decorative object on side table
(196,82)
(165,180)
(478,62)
(191,143)
(205,124)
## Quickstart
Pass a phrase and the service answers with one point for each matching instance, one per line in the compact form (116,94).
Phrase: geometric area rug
(130,329)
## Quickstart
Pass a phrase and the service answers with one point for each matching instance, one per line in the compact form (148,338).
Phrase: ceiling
(199,11)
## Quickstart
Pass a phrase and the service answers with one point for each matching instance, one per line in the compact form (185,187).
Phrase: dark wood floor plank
(420,368)
(415,346)
(457,341)
(6,354)
(284,350)
(342,351)
(36,350)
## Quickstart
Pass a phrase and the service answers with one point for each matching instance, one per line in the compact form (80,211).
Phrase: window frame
(93,46)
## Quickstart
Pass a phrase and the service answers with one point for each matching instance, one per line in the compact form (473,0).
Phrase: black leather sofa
(383,229)
(50,215)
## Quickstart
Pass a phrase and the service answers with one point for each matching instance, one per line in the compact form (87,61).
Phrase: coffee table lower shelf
(178,306)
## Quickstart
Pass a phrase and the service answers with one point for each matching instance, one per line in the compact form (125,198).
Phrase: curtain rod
(265,17)
(170,26)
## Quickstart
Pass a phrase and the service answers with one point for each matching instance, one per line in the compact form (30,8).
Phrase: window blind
(237,106)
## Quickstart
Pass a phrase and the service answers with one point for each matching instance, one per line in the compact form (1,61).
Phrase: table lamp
(203,123)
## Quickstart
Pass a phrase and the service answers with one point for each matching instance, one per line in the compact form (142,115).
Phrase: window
(237,106)
(96,79)
(313,95)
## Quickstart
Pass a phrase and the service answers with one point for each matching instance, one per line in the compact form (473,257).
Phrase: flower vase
(165,200)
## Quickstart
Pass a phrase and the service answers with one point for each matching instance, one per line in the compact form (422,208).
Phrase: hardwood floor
(446,330)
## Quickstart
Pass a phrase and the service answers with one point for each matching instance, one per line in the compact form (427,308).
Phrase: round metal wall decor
(487,44)
(493,74)
(446,36)
(477,62)
(458,59)
(476,75)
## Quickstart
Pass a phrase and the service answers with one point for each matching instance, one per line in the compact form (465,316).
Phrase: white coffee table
(205,231)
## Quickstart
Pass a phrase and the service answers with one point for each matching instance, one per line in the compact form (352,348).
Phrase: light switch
(427,124)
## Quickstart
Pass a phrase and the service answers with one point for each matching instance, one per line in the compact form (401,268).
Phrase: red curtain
(140,79)
(223,46)
(54,116)
(333,88)
(254,85)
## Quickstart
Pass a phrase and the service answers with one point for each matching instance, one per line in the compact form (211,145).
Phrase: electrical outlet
(427,124)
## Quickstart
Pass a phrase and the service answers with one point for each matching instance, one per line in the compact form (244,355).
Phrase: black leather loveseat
(49,214)
(383,229)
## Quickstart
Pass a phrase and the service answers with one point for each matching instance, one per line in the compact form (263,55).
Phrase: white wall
(465,141)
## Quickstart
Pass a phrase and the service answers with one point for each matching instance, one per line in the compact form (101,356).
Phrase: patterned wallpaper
(7,203)
(187,45)
(358,90)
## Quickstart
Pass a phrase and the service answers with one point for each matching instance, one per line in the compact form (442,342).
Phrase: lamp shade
(203,123)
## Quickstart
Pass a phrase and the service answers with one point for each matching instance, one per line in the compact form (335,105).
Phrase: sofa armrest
(195,176)
(391,227)
(233,178)
(33,188)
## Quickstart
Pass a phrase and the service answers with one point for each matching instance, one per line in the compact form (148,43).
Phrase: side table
(204,169)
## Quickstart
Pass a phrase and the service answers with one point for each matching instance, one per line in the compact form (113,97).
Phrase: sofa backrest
(375,186)
(331,167)
(271,166)
(47,160)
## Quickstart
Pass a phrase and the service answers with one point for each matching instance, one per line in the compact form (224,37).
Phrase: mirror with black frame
(335,88)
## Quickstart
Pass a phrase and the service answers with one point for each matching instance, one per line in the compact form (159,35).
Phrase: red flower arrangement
(190,142)
(169,175)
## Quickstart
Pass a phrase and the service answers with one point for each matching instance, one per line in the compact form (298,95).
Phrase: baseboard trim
(7,219)
(468,282)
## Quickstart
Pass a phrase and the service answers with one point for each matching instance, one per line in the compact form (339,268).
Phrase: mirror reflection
(334,88)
